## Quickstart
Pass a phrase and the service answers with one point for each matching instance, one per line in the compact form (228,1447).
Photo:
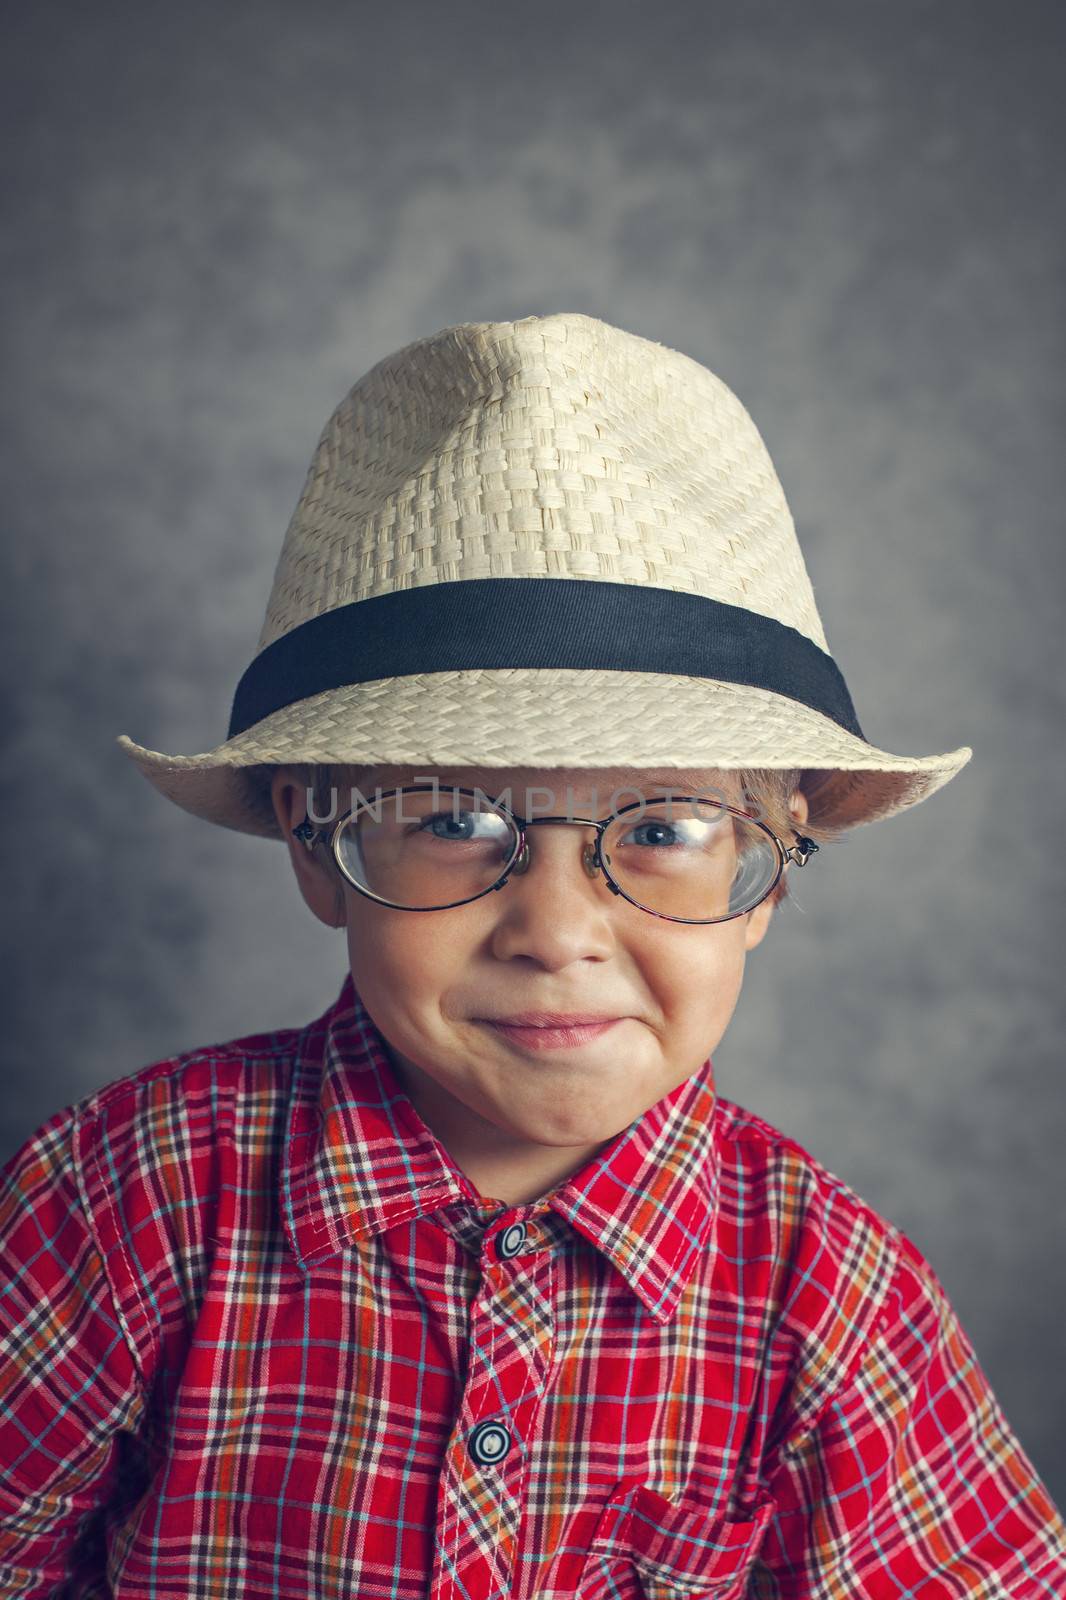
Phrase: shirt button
(488,1443)
(511,1240)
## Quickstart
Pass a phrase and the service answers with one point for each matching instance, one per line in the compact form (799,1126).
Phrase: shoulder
(877,1406)
(160,1164)
(822,1260)
(112,1212)
(187,1084)
(207,1081)
(136,1118)
(761,1165)
(171,1134)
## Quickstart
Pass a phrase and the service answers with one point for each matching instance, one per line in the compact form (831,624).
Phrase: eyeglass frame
(592,857)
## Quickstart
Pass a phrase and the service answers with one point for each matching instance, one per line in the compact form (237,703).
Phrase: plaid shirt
(260,1337)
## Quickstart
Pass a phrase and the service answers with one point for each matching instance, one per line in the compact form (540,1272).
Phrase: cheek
(698,977)
(681,955)
(391,977)
(405,959)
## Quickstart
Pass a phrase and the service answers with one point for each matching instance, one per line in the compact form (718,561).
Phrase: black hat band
(494,623)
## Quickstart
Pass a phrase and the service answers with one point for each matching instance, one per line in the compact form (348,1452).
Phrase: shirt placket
(511,1340)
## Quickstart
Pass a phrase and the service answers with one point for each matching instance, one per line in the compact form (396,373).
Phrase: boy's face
(516,1120)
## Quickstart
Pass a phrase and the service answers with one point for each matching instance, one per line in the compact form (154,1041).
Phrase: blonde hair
(764,790)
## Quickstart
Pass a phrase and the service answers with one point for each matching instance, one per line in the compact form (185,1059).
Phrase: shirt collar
(359,1159)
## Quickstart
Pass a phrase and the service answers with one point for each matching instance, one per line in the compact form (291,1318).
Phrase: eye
(456,827)
(657,832)
(679,830)
(452,825)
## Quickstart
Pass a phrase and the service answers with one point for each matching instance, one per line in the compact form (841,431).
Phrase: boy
(474,1287)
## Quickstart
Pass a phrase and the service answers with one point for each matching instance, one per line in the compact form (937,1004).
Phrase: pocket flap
(675,1549)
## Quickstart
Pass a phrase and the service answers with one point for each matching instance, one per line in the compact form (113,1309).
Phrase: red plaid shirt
(260,1337)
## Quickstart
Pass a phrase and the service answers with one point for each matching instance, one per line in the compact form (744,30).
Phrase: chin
(563,1134)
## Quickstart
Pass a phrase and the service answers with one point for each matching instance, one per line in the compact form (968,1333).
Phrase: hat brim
(547,718)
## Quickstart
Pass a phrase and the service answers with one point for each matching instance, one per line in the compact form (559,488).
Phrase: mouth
(566,1034)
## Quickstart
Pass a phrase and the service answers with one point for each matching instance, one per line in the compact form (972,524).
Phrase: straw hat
(543,543)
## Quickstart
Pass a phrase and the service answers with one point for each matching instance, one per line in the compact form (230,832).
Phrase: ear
(798,808)
(758,921)
(317,874)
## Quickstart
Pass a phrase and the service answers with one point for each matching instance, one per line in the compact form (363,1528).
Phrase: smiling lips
(553,1019)
(550,1030)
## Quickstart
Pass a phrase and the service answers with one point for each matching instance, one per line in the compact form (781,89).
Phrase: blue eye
(664,833)
(464,827)
(453,821)
(679,831)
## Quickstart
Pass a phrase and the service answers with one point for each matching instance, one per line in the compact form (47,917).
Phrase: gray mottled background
(219,216)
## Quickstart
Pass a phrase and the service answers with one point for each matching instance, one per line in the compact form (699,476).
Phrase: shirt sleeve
(910,1481)
(70,1397)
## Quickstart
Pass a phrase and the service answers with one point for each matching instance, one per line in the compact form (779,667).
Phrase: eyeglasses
(683,858)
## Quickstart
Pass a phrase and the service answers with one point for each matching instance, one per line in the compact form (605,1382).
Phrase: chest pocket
(647,1548)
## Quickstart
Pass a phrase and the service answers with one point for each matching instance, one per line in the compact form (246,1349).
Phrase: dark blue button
(511,1240)
(488,1443)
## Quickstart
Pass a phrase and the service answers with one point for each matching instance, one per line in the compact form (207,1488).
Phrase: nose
(549,909)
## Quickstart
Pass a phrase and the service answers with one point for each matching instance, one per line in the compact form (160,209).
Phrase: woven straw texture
(552,447)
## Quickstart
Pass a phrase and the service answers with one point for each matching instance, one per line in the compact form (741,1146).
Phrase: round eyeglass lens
(680,857)
(426,849)
(690,859)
